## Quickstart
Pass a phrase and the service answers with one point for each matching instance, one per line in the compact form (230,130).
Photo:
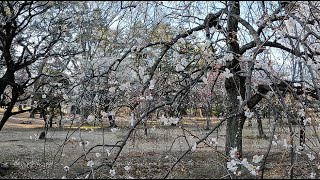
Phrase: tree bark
(209,115)
(8,111)
(302,132)
(233,84)
(260,127)
(235,123)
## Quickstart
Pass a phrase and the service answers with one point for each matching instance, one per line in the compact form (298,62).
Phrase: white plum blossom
(84,143)
(65,97)
(249,166)
(90,118)
(299,149)
(194,34)
(248,114)
(124,86)
(152,83)
(127,168)
(258,65)
(274,143)
(173,120)
(141,71)
(112,172)
(275,137)
(313,175)
(257,158)
(98,154)
(214,141)
(240,99)
(253,172)
(194,147)
(179,67)
(149,97)
(227,73)
(153,128)
(90,163)
(113,82)
(184,62)
(311,157)
(207,43)
(108,152)
(285,144)
(164,120)
(114,130)
(228,57)
(112,113)
(112,89)
(309,62)
(181,40)
(290,24)
(145,78)
(232,165)
(301,113)
(150,63)
(66,168)
(245,162)
(306,121)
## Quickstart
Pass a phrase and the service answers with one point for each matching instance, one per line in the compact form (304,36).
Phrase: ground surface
(24,156)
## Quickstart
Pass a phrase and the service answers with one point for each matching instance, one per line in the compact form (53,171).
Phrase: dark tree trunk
(20,107)
(145,128)
(302,132)
(209,115)
(51,121)
(32,113)
(60,119)
(8,111)
(51,117)
(6,116)
(234,124)
(260,127)
(233,84)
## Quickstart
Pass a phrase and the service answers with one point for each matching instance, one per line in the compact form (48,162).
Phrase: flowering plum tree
(152,56)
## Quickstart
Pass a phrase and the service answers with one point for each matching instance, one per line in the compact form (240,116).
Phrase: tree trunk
(60,119)
(302,132)
(260,127)
(32,113)
(234,124)
(233,84)
(8,111)
(145,128)
(208,116)
(20,107)
(51,121)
